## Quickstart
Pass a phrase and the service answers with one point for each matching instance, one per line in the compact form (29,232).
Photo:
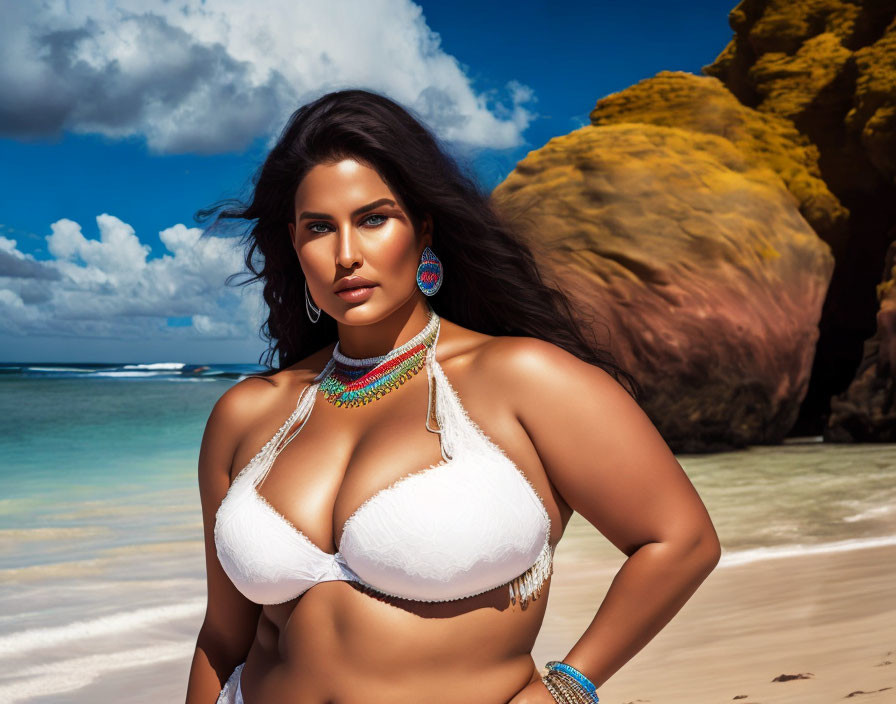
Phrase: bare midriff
(340,643)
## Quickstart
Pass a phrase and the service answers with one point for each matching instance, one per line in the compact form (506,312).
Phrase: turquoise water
(94,462)
(77,438)
(798,493)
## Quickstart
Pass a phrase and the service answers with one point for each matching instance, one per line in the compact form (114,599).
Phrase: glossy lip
(352,282)
(356,295)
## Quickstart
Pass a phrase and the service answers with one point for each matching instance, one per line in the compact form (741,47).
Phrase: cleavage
(345,456)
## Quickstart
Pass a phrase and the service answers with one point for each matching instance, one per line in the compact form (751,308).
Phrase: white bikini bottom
(232,692)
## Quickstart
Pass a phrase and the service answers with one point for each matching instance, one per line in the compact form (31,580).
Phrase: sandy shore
(830,617)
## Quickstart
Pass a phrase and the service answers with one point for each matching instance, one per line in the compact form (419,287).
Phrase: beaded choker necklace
(356,382)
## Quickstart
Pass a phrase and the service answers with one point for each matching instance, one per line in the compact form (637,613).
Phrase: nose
(348,252)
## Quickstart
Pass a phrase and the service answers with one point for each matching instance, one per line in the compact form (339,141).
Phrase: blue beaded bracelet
(576,675)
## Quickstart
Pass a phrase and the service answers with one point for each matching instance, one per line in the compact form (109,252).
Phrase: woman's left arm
(607,461)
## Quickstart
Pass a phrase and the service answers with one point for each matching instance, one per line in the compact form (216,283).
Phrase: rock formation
(866,411)
(730,228)
(692,249)
(829,67)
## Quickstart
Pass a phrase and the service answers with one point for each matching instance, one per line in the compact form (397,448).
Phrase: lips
(358,294)
(353,282)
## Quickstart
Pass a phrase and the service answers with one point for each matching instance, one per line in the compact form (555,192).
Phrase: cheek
(317,261)
(393,256)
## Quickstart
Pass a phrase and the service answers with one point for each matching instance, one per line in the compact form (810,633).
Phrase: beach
(830,616)
(102,582)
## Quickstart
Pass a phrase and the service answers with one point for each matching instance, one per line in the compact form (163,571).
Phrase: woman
(395,544)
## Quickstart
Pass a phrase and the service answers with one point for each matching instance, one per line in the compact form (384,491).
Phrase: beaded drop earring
(429,272)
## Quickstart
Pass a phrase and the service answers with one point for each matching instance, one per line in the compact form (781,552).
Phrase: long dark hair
(491,284)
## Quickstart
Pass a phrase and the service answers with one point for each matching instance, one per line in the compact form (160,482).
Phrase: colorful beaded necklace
(356,382)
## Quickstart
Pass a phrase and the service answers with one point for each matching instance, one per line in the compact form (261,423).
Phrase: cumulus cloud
(110,287)
(210,76)
(16,264)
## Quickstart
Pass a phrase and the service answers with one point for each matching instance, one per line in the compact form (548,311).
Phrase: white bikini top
(455,529)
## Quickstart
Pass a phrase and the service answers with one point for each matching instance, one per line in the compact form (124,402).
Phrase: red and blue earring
(429,273)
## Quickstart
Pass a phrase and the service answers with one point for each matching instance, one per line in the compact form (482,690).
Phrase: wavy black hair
(491,284)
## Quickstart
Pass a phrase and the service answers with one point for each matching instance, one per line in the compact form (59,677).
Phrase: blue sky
(109,141)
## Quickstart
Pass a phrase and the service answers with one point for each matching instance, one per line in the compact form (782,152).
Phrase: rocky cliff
(829,67)
(730,228)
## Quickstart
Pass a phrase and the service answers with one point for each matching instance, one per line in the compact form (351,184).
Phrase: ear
(427,230)
(292,236)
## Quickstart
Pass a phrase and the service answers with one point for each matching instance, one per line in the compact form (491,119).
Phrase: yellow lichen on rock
(695,254)
(704,104)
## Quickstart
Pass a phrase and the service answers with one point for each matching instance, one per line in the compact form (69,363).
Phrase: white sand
(832,615)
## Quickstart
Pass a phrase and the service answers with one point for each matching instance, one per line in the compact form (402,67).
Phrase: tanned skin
(574,432)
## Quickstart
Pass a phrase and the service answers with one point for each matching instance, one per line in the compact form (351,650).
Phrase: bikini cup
(455,529)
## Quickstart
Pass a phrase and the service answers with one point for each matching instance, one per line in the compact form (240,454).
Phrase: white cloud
(116,256)
(8,245)
(110,287)
(180,238)
(210,76)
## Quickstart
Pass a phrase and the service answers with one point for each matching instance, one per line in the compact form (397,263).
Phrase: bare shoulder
(520,368)
(526,368)
(554,394)
(600,450)
(253,390)
(248,403)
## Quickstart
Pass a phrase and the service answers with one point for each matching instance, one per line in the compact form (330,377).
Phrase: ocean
(102,573)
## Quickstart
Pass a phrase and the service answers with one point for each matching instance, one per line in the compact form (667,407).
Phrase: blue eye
(312,225)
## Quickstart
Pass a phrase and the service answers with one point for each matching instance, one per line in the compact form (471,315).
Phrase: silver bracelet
(564,688)
(580,677)
(569,686)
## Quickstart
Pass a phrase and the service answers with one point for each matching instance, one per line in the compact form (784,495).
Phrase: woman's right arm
(230,618)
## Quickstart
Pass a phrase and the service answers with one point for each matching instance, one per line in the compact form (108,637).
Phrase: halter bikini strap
(441,415)
(267,455)
(303,406)
(435,415)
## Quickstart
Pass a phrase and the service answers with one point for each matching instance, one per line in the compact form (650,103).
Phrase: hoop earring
(312,310)
(429,273)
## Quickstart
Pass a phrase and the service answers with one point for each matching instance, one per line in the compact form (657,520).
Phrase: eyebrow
(356,211)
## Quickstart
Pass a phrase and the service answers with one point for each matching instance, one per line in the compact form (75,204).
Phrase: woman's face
(349,223)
